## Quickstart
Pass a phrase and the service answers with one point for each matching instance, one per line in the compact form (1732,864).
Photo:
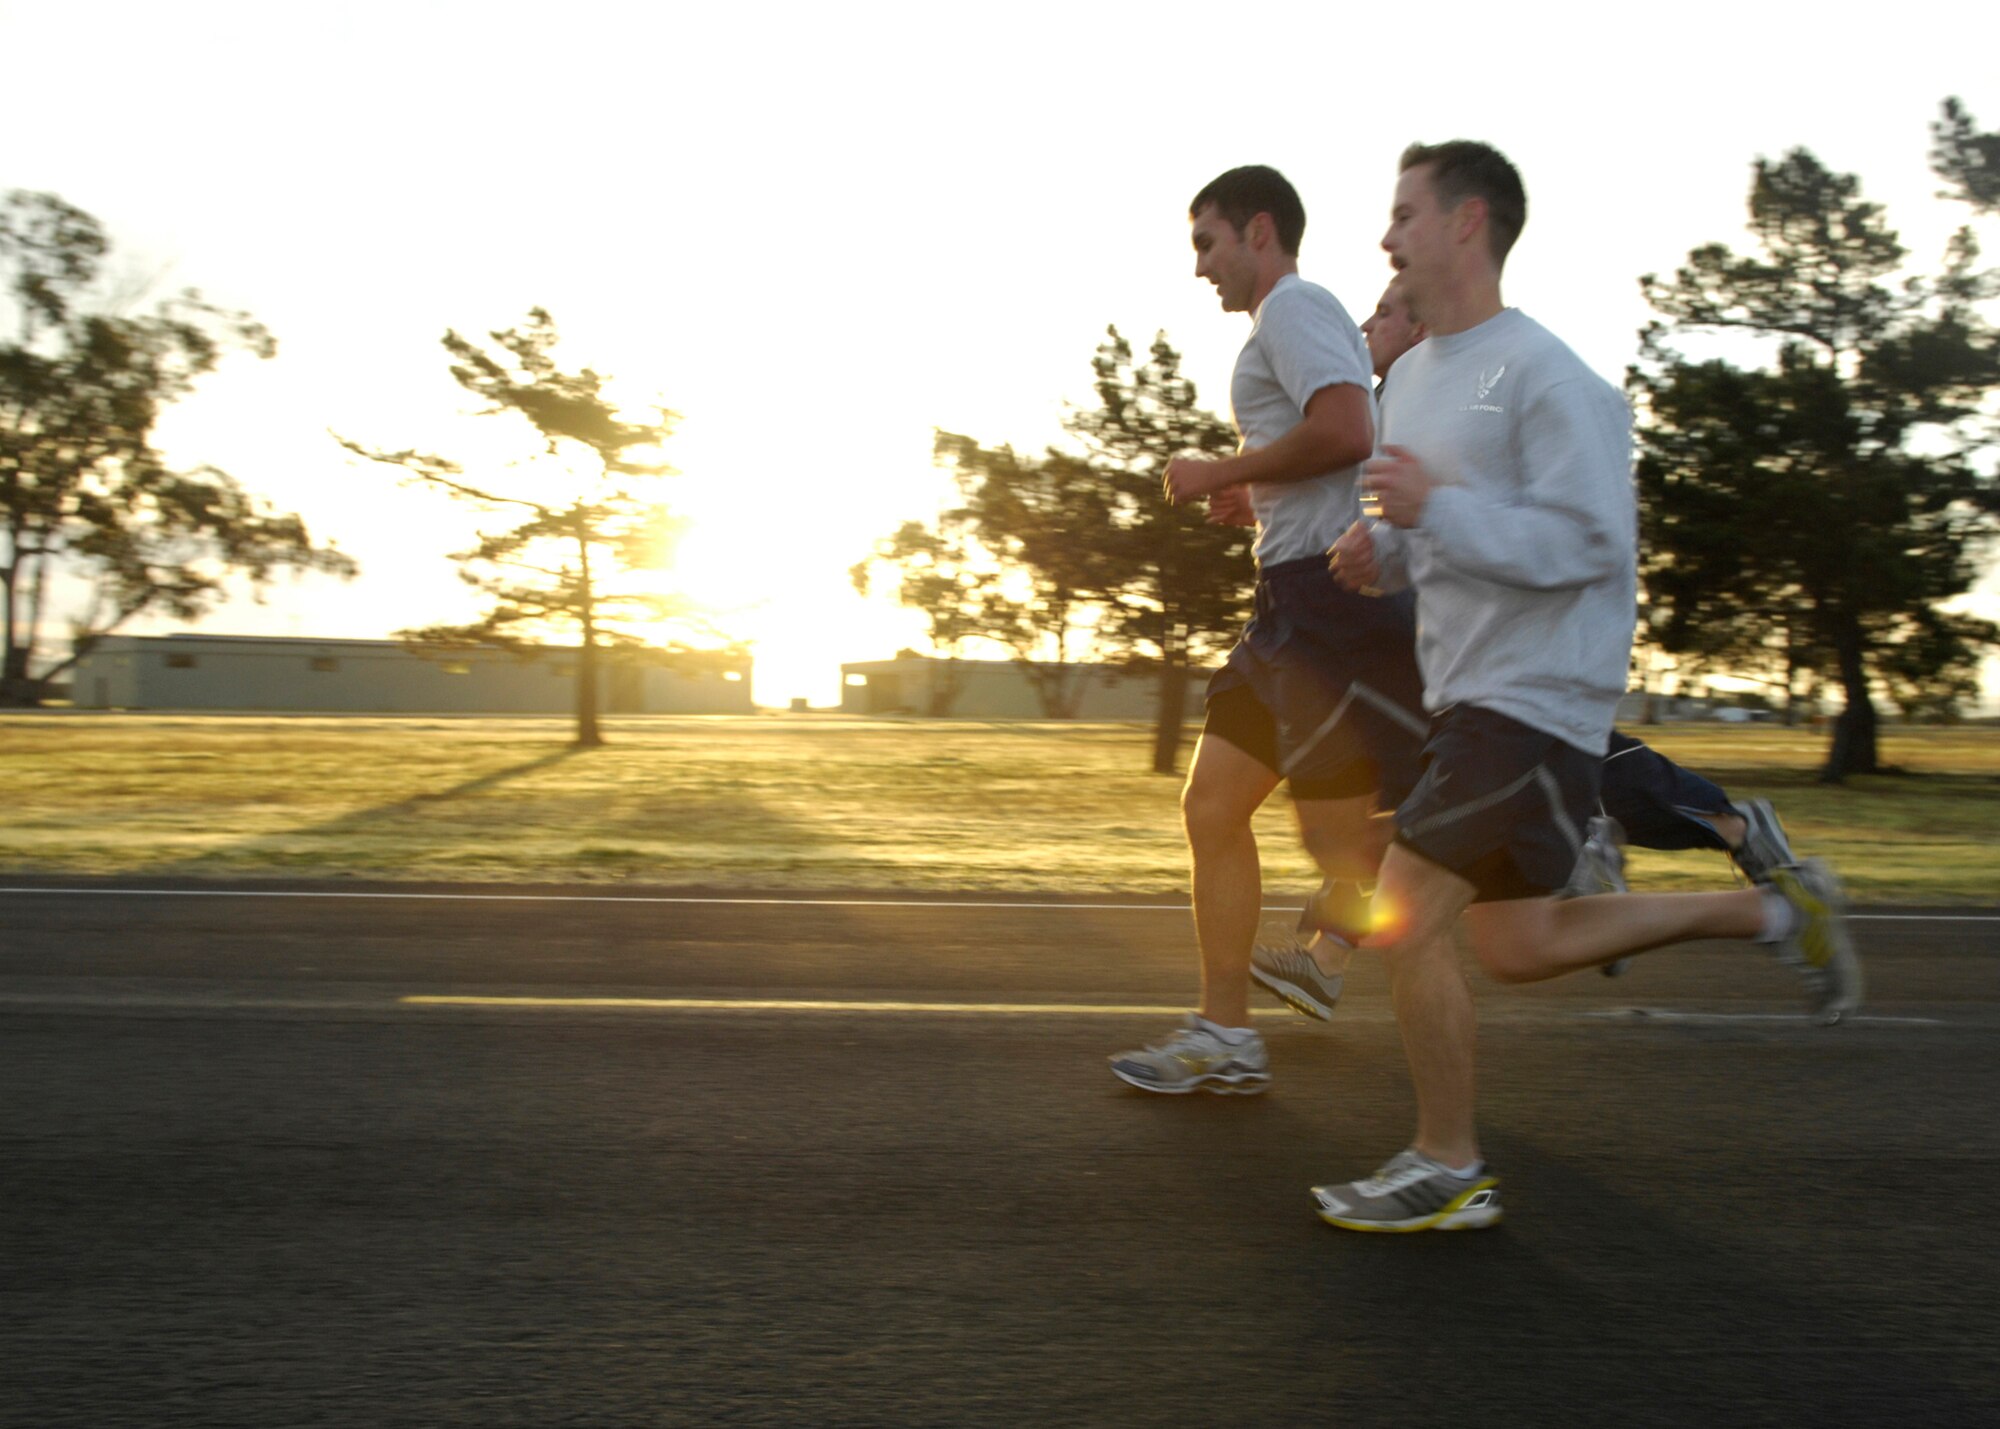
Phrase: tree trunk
(17,689)
(1172,709)
(1853,749)
(587,734)
(1058,685)
(15,686)
(1071,680)
(946,682)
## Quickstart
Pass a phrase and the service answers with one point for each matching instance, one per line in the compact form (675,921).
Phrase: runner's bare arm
(1338,432)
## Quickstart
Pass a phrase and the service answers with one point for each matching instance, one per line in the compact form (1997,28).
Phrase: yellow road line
(774,1004)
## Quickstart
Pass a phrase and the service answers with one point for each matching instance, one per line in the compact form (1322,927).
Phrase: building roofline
(111,642)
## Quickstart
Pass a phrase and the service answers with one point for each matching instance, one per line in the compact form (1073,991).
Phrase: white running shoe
(1197,1058)
(1600,868)
(1765,846)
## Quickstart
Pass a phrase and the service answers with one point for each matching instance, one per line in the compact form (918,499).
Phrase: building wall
(224,672)
(997,689)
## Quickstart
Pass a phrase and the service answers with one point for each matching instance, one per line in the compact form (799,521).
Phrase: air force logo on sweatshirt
(1488,380)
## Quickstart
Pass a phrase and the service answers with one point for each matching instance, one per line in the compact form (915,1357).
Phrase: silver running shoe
(1411,1192)
(1195,1059)
(1819,948)
(1765,846)
(1600,868)
(1289,973)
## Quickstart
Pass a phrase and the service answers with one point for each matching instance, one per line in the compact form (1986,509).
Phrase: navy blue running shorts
(1323,688)
(1500,804)
(1658,803)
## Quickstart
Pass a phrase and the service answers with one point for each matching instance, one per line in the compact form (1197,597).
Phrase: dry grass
(824,802)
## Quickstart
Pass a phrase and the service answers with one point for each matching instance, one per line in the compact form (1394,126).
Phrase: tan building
(1001,689)
(249,672)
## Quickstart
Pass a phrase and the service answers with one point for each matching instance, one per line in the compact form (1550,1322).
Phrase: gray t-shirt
(1524,558)
(1300,341)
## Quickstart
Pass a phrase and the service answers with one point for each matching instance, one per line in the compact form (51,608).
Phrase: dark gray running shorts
(1323,687)
(1500,804)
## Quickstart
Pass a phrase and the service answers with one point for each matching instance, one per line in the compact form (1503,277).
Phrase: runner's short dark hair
(1241,194)
(1463,169)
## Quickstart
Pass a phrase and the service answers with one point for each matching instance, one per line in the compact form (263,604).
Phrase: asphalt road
(244,1180)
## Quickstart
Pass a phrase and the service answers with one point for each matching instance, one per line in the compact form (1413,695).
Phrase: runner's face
(1389,331)
(1225,258)
(1418,240)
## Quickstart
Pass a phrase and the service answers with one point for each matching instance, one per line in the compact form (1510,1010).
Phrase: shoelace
(1296,960)
(1290,959)
(1399,1170)
(1190,1038)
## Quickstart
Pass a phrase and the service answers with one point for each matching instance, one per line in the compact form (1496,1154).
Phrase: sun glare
(790,597)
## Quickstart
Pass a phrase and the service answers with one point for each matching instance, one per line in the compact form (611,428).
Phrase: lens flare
(1387,917)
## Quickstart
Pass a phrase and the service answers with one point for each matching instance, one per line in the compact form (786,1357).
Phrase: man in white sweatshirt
(1503,475)
(1643,797)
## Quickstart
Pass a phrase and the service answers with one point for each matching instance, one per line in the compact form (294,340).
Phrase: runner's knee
(1211,815)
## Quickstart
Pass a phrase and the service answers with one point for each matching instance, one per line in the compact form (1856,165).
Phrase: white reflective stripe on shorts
(1538,775)
(1556,810)
(1476,806)
(1355,690)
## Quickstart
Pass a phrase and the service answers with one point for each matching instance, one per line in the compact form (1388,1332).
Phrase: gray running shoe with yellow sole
(1411,1192)
(1820,948)
(1196,1059)
(1289,974)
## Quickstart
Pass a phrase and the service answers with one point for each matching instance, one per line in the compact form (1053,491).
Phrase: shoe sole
(1243,1084)
(1293,996)
(1458,1215)
(1467,1221)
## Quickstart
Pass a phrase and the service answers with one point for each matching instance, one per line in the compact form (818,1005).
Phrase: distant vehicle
(1731,714)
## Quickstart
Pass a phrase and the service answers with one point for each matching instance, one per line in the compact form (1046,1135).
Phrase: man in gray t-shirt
(1506,498)
(1322,692)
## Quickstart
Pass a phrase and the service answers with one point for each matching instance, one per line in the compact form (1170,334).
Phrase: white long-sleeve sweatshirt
(1524,558)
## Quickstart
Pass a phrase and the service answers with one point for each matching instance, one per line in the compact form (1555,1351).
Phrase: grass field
(821,803)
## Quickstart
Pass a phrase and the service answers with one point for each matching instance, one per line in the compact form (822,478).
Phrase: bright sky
(820,231)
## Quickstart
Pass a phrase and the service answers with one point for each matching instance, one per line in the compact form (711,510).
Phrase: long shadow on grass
(360,821)
(491,837)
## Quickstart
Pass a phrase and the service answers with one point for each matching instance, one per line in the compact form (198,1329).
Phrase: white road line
(1664,1014)
(1094,1009)
(770,902)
